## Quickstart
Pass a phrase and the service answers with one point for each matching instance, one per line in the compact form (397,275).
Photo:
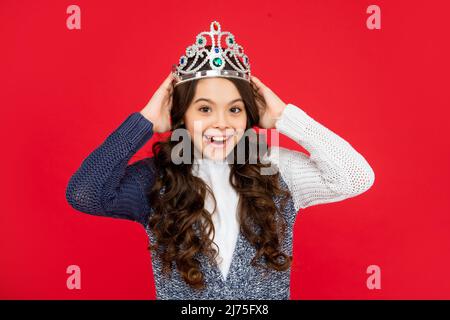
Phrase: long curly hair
(179,211)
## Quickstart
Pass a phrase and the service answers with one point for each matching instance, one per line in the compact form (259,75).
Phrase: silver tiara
(216,56)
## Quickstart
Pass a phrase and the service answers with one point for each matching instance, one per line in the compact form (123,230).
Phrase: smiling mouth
(218,140)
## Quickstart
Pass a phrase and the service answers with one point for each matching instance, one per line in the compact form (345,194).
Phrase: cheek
(195,127)
(195,134)
(241,127)
(243,122)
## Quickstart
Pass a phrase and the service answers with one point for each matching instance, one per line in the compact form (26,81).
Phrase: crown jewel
(216,56)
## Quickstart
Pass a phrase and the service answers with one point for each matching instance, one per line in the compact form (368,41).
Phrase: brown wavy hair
(180,209)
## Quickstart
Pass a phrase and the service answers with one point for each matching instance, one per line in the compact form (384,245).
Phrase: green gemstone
(200,41)
(217,62)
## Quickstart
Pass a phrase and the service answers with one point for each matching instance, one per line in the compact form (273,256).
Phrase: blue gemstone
(217,50)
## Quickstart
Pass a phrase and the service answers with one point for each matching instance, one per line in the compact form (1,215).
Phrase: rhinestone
(217,62)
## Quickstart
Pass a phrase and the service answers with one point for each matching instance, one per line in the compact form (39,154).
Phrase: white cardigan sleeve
(334,171)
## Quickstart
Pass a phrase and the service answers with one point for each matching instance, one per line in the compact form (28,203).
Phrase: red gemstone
(216,27)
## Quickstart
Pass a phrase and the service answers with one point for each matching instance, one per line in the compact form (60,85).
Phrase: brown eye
(203,108)
(236,108)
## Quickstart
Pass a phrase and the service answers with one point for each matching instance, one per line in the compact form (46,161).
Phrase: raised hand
(158,108)
(270,105)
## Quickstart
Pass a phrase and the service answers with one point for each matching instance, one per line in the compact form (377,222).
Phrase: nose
(221,120)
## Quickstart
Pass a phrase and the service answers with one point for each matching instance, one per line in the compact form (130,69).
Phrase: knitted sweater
(106,185)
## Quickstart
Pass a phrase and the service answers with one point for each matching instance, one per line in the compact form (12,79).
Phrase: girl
(218,229)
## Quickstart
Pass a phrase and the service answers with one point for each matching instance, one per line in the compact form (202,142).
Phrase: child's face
(222,115)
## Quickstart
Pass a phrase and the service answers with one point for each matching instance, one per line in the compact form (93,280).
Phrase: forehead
(216,89)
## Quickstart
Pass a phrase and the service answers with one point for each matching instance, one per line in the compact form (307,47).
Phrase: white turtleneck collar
(216,174)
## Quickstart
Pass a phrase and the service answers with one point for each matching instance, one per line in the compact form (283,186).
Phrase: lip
(209,143)
(218,135)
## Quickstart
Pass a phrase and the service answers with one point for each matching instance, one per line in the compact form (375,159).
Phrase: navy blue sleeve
(106,185)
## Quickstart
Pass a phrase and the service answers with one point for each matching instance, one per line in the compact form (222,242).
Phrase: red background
(385,91)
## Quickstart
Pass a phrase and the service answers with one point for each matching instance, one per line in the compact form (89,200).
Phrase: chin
(215,155)
(212,153)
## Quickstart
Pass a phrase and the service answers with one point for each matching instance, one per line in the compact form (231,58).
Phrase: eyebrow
(212,102)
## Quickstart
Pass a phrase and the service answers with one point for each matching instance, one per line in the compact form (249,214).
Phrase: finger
(169,87)
(260,101)
(257,85)
(168,81)
(257,81)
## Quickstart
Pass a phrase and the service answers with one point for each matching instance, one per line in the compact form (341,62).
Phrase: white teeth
(218,138)
(209,138)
